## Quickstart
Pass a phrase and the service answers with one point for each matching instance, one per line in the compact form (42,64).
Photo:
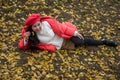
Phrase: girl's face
(36,27)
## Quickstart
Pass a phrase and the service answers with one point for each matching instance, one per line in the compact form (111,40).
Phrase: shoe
(110,43)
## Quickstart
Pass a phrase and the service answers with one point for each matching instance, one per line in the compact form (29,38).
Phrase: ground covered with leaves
(96,18)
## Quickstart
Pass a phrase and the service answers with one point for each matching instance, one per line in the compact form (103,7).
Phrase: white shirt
(46,35)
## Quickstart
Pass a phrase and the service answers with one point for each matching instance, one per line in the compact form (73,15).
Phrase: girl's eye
(34,26)
(38,24)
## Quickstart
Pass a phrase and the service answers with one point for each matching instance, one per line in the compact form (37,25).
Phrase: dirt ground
(99,19)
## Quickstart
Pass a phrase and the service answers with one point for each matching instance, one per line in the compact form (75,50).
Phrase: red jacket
(65,30)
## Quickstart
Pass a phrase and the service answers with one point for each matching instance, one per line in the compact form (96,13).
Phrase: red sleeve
(48,47)
(21,45)
(65,30)
(23,31)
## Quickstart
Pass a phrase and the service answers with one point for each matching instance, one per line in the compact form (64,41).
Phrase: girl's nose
(38,27)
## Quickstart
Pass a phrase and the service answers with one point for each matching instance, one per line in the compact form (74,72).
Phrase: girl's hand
(80,36)
(26,35)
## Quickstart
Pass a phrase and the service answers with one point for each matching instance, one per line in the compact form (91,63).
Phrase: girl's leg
(91,42)
(87,41)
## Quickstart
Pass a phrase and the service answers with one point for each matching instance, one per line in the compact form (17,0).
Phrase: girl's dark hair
(33,39)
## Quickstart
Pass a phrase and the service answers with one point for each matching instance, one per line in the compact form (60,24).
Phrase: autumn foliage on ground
(99,19)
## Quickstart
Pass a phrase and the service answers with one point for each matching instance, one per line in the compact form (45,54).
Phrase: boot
(110,43)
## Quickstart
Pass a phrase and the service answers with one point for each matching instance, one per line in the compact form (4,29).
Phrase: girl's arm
(22,45)
(65,30)
(48,47)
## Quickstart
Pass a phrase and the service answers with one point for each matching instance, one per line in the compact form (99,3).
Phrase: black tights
(87,41)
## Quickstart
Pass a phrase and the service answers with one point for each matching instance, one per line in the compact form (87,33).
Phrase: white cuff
(25,41)
(75,33)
